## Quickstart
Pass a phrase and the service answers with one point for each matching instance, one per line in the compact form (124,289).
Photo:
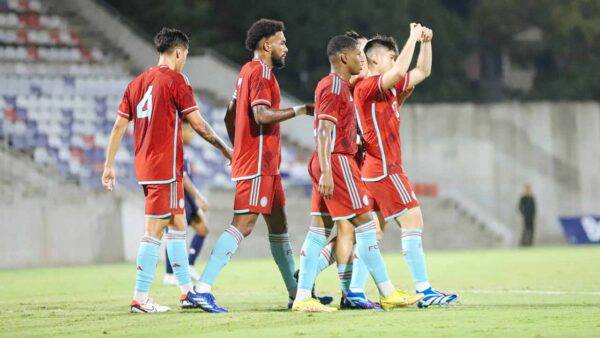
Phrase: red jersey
(379,120)
(333,102)
(257,148)
(156,100)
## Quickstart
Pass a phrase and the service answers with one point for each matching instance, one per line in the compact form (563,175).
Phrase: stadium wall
(489,152)
(45,220)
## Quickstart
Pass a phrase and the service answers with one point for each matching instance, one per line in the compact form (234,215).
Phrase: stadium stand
(58,99)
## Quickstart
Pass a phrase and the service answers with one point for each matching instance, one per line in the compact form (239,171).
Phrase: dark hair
(382,41)
(353,34)
(169,38)
(262,28)
(338,43)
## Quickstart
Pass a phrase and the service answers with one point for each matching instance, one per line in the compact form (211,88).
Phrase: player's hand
(228,153)
(310,109)
(109,179)
(427,35)
(415,31)
(304,109)
(326,185)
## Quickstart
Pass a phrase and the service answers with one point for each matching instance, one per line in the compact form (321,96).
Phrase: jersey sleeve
(260,87)
(329,102)
(402,85)
(184,96)
(125,108)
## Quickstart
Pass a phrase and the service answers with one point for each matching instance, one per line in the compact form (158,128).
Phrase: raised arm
(265,115)
(389,78)
(109,178)
(230,119)
(423,67)
(205,131)
(324,151)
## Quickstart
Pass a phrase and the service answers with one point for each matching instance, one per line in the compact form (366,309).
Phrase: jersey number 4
(144,108)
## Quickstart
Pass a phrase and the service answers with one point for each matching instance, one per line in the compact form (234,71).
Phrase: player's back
(334,102)
(257,148)
(156,100)
(379,119)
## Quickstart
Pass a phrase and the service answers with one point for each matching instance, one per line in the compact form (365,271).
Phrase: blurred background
(512,102)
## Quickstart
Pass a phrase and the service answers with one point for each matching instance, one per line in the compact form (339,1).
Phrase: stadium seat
(58,99)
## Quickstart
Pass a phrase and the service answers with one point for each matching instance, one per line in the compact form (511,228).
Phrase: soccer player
(257,155)
(378,98)
(341,248)
(195,207)
(338,193)
(156,102)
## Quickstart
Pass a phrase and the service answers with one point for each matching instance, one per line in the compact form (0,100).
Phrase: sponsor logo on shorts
(373,247)
(365,200)
(181,203)
(263,202)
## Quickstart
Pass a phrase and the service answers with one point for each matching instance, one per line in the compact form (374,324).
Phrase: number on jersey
(144,108)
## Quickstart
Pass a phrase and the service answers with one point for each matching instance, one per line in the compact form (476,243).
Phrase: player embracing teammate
(338,191)
(378,98)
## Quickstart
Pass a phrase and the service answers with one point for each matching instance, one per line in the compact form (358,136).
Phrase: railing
(487,221)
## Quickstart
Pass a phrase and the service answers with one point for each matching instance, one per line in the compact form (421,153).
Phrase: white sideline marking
(534,292)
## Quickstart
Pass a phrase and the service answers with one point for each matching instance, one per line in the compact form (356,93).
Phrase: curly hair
(169,38)
(262,28)
(339,43)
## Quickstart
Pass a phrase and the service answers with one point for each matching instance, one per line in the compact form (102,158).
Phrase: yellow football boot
(311,305)
(399,298)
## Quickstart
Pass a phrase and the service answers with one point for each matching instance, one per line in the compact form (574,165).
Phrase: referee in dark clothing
(527,209)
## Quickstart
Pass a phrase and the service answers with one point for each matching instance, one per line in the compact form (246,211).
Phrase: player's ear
(374,59)
(266,45)
(343,58)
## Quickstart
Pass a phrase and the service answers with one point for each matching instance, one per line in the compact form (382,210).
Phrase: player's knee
(155,227)
(246,229)
(379,234)
(154,232)
(279,229)
(345,232)
(200,227)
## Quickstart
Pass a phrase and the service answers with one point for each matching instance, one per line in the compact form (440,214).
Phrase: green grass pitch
(542,292)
